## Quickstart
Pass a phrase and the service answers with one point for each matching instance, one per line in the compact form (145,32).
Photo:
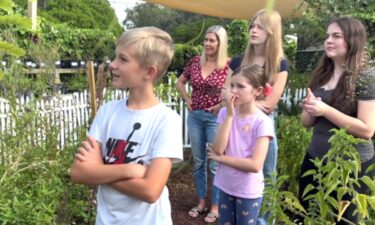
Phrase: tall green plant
(7,19)
(238,33)
(338,172)
(293,140)
(336,176)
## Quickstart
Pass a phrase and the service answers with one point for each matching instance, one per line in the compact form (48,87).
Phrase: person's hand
(224,92)
(309,97)
(229,98)
(213,155)
(314,106)
(188,105)
(263,106)
(214,109)
(89,152)
(140,171)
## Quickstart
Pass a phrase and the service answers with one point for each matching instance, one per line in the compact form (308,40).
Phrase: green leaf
(334,203)
(6,5)
(17,20)
(340,192)
(331,188)
(371,201)
(12,49)
(370,168)
(369,182)
(309,172)
(362,204)
(308,188)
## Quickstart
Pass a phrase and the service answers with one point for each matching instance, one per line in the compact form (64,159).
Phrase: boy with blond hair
(133,142)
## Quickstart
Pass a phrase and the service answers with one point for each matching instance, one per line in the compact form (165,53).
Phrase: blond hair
(151,46)
(222,54)
(271,22)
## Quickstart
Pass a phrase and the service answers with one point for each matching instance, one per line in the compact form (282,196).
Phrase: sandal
(211,217)
(196,211)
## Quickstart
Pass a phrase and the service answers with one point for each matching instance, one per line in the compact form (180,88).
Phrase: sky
(120,6)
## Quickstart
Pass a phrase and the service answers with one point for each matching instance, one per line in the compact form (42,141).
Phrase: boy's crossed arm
(150,187)
(88,166)
(138,181)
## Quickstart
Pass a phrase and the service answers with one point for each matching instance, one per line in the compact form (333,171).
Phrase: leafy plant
(238,33)
(166,90)
(183,53)
(293,140)
(8,18)
(337,175)
(279,201)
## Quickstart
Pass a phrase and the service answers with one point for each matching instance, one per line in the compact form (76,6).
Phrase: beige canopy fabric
(233,9)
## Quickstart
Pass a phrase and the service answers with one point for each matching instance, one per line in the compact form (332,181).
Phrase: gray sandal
(211,217)
(196,211)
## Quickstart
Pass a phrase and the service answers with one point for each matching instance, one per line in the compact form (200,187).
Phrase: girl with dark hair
(341,95)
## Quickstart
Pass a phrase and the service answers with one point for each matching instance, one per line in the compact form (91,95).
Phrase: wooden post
(91,76)
(32,6)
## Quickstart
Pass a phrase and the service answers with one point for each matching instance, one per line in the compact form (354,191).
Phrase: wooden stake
(32,6)
(92,89)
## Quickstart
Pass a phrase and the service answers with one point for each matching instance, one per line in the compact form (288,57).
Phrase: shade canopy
(233,9)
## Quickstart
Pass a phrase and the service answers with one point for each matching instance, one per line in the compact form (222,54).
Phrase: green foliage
(290,50)
(16,81)
(74,83)
(146,14)
(34,175)
(8,19)
(297,80)
(16,20)
(166,90)
(307,60)
(73,38)
(311,27)
(70,43)
(183,27)
(279,202)
(193,31)
(238,34)
(6,5)
(85,44)
(11,49)
(183,53)
(293,140)
(337,172)
(88,14)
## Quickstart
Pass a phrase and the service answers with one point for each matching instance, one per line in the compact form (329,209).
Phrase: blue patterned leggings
(238,211)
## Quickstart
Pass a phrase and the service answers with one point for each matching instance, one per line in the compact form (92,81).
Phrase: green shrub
(293,140)
(183,53)
(336,171)
(238,34)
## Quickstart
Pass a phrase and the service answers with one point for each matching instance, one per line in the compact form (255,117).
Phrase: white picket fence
(71,112)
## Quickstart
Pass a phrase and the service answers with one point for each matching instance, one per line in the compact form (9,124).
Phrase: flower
(267,90)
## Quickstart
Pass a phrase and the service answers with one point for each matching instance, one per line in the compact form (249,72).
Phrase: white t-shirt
(135,136)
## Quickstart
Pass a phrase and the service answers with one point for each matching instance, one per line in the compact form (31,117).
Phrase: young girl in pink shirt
(240,147)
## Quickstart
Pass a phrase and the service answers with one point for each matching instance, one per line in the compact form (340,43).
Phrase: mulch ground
(182,193)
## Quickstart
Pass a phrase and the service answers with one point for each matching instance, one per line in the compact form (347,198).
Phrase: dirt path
(182,193)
